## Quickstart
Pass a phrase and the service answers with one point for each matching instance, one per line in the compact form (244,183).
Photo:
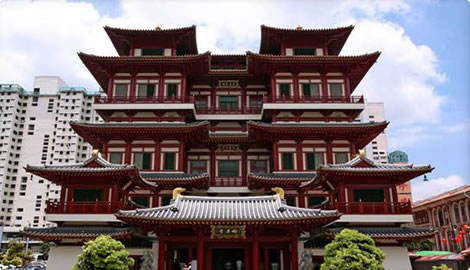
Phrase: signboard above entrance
(228,231)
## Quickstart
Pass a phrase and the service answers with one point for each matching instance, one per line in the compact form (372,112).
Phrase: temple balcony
(92,211)
(236,113)
(144,102)
(362,208)
(313,102)
(228,182)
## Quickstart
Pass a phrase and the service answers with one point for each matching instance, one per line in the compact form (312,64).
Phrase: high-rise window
(311,89)
(336,89)
(314,160)
(228,102)
(341,157)
(284,89)
(143,160)
(228,168)
(152,51)
(146,90)
(172,89)
(169,161)
(120,90)
(287,161)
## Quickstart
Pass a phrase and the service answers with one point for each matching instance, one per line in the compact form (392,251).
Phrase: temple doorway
(228,259)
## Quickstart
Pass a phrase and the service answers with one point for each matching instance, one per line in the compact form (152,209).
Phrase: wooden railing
(246,110)
(145,99)
(313,99)
(95,207)
(371,207)
(228,182)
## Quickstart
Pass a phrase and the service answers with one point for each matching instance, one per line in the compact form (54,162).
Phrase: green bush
(441,267)
(16,254)
(352,250)
(104,253)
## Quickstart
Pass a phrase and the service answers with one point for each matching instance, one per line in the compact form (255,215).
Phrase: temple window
(120,90)
(146,90)
(198,166)
(228,102)
(456,213)
(141,201)
(152,51)
(290,201)
(311,89)
(143,160)
(284,89)
(166,200)
(228,168)
(169,161)
(336,89)
(304,51)
(172,89)
(314,160)
(259,166)
(88,195)
(201,102)
(115,157)
(341,157)
(369,195)
(315,201)
(256,101)
(287,161)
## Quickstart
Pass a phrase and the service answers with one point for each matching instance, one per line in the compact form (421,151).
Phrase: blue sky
(422,74)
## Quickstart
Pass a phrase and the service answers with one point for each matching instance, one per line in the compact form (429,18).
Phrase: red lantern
(461,232)
(465,227)
(444,240)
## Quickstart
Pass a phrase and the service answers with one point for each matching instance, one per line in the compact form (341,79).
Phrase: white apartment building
(377,149)
(34,129)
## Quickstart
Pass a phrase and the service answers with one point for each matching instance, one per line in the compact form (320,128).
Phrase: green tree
(104,253)
(17,255)
(441,267)
(425,244)
(352,250)
(44,248)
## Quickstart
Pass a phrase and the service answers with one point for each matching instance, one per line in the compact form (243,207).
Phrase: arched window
(440,217)
(456,213)
(463,212)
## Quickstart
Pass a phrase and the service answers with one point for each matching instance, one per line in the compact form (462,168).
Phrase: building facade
(35,129)
(448,213)
(378,148)
(228,161)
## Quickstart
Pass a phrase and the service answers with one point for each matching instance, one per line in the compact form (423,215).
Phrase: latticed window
(120,90)
(258,166)
(172,89)
(201,102)
(304,51)
(198,166)
(169,161)
(152,51)
(314,160)
(143,160)
(369,195)
(228,102)
(115,157)
(341,157)
(146,90)
(228,168)
(284,89)
(287,161)
(311,89)
(88,195)
(336,89)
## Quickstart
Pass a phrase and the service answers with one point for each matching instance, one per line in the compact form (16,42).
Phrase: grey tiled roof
(351,166)
(199,209)
(137,124)
(171,176)
(284,176)
(82,166)
(76,232)
(333,124)
(388,232)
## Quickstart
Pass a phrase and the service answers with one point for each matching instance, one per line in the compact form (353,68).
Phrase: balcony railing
(96,207)
(371,207)
(314,99)
(228,182)
(145,99)
(246,110)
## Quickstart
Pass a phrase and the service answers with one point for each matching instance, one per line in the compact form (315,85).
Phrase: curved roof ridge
(316,56)
(107,27)
(80,54)
(338,28)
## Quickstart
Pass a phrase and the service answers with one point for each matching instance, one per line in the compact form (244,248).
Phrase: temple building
(248,161)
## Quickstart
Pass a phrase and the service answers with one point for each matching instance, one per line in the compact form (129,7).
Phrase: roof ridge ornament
(279,192)
(95,153)
(299,27)
(158,27)
(177,193)
(362,153)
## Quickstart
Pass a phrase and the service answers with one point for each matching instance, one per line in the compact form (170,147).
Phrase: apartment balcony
(95,207)
(371,208)
(313,103)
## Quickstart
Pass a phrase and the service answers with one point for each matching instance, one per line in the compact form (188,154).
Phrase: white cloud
(42,38)
(422,190)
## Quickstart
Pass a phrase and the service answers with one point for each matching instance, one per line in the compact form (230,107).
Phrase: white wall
(48,85)
(63,257)
(396,258)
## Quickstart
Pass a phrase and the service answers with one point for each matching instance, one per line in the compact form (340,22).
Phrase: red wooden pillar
(296,88)
(347,88)
(158,156)
(132,88)
(244,109)
(161,253)
(110,88)
(212,164)
(275,157)
(273,88)
(114,194)
(155,199)
(200,250)
(183,89)
(300,162)
(255,249)
(341,190)
(213,101)
(324,87)
(295,253)
(104,150)
(329,153)
(127,158)
(244,169)
(161,83)
(266,259)
(301,198)
(181,157)
(352,147)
